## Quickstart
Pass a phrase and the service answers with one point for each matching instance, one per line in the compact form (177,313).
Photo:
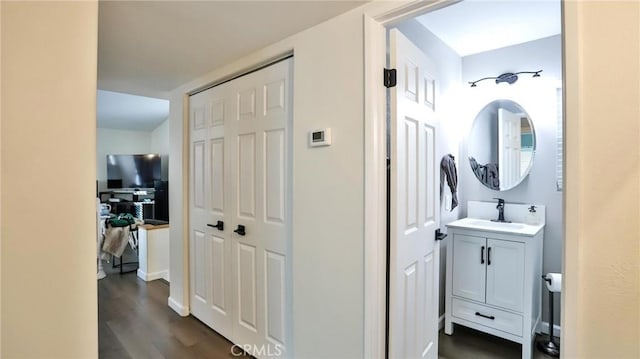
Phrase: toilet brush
(549,347)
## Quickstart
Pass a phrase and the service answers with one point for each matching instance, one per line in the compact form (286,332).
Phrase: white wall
(601,287)
(126,142)
(543,54)
(0,187)
(449,69)
(538,97)
(49,290)
(159,143)
(328,187)
(118,142)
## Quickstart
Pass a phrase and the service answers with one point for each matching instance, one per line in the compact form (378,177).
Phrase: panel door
(260,171)
(510,143)
(210,202)
(469,267)
(505,274)
(414,253)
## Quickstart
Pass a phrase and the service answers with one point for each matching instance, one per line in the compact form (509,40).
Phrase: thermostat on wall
(319,138)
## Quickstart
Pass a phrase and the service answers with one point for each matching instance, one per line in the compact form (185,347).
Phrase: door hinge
(389,78)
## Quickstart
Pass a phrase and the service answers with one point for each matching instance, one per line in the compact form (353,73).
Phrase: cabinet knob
(482,255)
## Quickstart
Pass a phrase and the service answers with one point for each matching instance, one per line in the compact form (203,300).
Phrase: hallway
(135,322)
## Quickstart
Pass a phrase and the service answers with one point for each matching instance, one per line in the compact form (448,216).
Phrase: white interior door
(210,202)
(415,215)
(509,136)
(260,175)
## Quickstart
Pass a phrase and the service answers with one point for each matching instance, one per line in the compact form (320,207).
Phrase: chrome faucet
(500,208)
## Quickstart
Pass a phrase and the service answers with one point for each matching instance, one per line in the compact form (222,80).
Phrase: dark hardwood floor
(135,322)
(468,343)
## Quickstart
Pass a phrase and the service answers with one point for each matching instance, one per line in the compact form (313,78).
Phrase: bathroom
(469,42)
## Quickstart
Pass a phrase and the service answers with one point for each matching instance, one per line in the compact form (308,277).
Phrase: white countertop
(485,225)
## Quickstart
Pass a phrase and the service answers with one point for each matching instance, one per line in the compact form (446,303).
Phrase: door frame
(376,21)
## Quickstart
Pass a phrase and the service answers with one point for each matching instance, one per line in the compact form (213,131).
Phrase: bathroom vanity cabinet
(494,280)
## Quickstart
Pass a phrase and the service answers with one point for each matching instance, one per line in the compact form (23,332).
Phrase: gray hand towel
(493,178)
(448,169)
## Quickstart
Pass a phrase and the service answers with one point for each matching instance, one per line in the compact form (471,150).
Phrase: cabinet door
(469,261)
(505,274)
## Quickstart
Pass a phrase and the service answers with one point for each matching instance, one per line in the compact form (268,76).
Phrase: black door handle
(240,230)
(482,255)
(485,316)
(439,235)
(489,256)
(219,226)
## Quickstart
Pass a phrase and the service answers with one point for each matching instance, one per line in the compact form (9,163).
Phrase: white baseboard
(178,308)
(153,276)
(544,328)
(441,322)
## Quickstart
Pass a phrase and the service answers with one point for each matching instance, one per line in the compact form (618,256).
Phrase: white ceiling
(130,112)
(151,47)
(475,26)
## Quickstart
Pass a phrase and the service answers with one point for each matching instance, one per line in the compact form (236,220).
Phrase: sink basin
(495,225)
(498,227)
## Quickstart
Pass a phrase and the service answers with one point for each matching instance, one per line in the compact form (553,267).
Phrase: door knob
(219,226)
(240,230)
(439,235)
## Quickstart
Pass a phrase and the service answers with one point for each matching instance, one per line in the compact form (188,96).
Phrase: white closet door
(239,175)
(210,201)
(415,211)
(260,174)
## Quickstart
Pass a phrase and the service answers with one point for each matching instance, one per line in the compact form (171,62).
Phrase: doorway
(458,122)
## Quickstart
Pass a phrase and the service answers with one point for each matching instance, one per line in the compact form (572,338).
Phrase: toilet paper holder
(549,347)
(553,281)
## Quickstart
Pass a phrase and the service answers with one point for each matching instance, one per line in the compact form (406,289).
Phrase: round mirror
(502,143)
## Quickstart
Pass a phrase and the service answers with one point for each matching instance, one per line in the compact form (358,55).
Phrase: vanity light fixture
(508,77)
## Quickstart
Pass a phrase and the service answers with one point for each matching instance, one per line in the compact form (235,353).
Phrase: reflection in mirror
(501,145)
